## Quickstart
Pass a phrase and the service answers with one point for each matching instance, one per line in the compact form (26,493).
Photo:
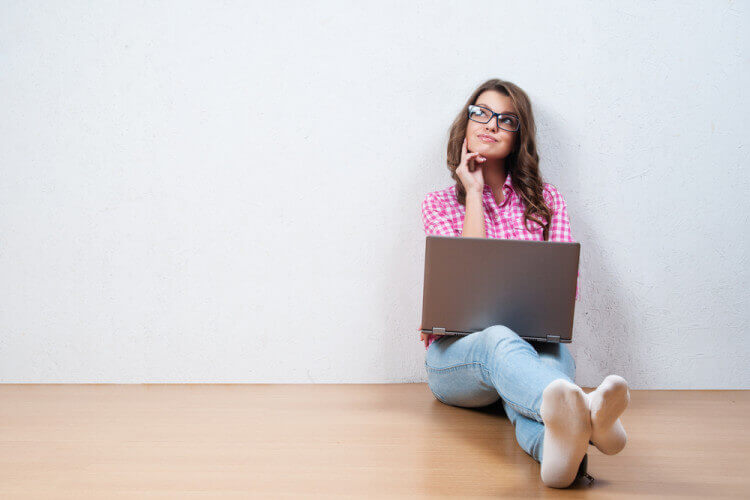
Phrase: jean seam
(439,397)
(515,405)
(434,393)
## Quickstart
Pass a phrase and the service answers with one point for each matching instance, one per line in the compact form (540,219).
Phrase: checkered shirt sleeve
(436,218)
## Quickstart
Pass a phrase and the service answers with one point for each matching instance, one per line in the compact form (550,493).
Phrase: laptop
(473,283)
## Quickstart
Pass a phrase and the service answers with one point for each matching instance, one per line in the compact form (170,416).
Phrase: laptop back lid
(473,283)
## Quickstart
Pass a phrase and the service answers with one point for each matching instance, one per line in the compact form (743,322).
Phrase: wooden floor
(347,441)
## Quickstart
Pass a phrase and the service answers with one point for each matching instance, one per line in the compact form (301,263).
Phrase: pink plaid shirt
(442,214)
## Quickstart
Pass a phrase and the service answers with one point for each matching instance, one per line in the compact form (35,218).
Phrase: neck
(494,174)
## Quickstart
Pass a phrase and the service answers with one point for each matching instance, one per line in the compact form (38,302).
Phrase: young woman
(499,193)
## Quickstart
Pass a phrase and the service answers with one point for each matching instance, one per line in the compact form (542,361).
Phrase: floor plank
(342,440)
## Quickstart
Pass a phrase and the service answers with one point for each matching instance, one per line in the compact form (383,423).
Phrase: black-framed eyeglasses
(480,114)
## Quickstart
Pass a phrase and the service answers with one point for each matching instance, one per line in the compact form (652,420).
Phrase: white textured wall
(180,202)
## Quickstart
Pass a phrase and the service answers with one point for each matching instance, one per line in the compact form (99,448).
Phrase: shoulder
(552,196)
(444,198)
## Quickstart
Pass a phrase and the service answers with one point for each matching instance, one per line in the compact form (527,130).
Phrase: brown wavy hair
(523,161)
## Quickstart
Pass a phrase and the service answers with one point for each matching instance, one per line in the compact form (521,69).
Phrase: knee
(558,357)
(499,334)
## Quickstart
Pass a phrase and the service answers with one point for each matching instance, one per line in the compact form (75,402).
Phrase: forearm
(474,220)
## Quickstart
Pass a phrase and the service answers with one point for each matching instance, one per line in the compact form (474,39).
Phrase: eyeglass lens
(483,115)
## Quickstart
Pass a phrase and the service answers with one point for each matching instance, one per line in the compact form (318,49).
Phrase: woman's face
(503,144)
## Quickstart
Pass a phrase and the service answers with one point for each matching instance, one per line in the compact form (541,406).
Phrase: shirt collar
(507,191)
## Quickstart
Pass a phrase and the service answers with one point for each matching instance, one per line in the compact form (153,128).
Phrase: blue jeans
(478,369)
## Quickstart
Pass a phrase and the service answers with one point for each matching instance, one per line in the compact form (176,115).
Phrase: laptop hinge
(436,330)
(553,338)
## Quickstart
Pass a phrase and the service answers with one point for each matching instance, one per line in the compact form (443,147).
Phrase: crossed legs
(480,368)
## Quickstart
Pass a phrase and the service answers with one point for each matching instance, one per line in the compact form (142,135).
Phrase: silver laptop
(473,283)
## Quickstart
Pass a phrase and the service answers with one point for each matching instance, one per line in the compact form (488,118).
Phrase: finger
(477,158)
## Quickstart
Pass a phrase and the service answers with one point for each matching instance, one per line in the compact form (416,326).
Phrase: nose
(491,126)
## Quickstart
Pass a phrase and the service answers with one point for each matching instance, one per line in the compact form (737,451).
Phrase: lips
(487,138)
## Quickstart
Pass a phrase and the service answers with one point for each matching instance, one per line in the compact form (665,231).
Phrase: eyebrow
(502,112)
